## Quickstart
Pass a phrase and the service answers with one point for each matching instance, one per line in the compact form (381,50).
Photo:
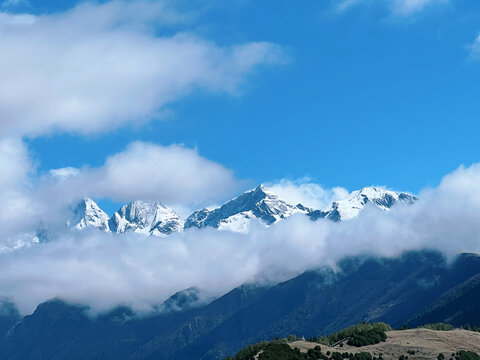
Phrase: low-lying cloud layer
(104,270)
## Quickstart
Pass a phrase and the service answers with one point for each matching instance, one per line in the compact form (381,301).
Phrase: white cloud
(474,48)
(175,175)
(18,211)
(100,66)
(172,174)
(102,270)
(306,192)
(347,4)
(64,173)
(407,7)
(397,7)
(14,162)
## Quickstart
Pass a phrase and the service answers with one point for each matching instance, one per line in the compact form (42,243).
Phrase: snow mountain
(145,217)
(260,205)
(236,215)
(369,196)
(87,214)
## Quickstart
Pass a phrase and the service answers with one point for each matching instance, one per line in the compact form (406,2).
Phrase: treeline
(439,326)
(249,352)
(282,351)
(461,355)
(361,335)
(471,328)
(443,327)
(357,335)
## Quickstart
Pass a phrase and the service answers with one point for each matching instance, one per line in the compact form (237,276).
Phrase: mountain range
(259,204)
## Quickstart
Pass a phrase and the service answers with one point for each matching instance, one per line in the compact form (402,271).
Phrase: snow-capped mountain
(259,204)
(236,215)
(87,214)
(350,207)
(145,217)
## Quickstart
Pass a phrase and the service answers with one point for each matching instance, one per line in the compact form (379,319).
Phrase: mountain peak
(87,214)
(236,214)
(379,197)
(148,217)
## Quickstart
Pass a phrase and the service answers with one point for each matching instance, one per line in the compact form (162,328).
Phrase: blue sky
(365,96)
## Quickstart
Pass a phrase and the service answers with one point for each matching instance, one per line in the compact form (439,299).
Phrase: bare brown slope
(426,343)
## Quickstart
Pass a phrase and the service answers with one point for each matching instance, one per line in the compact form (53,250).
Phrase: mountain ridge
(259,203)
(149,217)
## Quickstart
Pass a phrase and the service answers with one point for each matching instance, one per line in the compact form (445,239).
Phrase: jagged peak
(260,203)
(146,216)
(87,213)
(379,196)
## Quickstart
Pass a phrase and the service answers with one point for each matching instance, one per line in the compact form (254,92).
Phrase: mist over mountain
(404,290)
(142,255)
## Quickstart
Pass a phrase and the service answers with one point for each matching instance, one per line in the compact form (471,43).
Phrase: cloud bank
(144,171)
(97,67)
(103,270)
(16,188)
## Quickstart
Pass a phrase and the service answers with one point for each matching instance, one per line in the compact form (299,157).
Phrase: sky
(192,102)
(358,93)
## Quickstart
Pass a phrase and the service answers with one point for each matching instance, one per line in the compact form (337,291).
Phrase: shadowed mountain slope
(415,287)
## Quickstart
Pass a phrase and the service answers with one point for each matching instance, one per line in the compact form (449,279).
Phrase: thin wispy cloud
(399,8)
(13,4)
(474,48)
